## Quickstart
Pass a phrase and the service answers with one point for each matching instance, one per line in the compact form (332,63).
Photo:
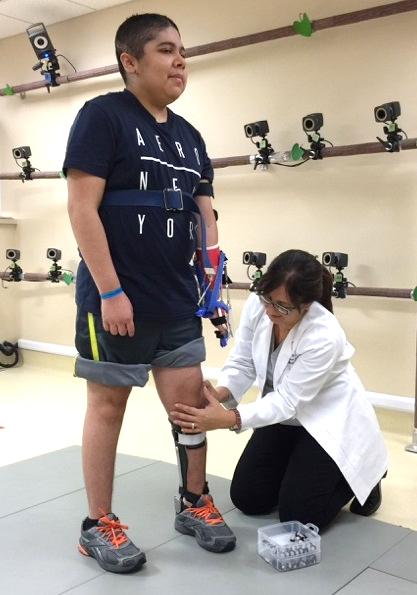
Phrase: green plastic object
(303,26)
(67,277)
(297,152)
(414,294)
(8,90)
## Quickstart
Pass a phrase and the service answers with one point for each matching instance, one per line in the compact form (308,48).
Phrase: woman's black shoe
(371,504)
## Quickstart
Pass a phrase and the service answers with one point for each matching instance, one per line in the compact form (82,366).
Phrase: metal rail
(340,20)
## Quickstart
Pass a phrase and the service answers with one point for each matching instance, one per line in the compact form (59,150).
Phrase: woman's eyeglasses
(278,307)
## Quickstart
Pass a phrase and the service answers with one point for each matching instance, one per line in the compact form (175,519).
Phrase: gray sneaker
(109,545)
(206,523)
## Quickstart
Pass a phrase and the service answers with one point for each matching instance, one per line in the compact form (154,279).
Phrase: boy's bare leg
(103,420)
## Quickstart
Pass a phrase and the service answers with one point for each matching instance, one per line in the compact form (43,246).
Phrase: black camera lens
(21,152)
(12,254)
(53,253)
(381,115)
(308,125)
(260,128)
(247,257)
(312,122)
(327,259)
(334,259)
(249,130)
(387,112)
(257,259)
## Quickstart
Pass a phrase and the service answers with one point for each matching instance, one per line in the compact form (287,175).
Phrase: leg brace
(182,443)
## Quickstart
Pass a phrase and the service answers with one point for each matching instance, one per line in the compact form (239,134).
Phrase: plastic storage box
(291,545)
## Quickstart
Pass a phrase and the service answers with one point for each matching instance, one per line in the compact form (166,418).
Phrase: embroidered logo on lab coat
(293,358)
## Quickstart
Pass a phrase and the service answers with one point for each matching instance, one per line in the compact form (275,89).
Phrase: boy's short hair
(136,31)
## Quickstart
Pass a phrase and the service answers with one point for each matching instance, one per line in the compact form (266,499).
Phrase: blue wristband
(110,294)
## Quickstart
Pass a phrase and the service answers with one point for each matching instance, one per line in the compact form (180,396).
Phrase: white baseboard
(52,348)
(385,401)
(393,402)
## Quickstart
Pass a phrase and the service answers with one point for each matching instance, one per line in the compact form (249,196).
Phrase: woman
(317,442)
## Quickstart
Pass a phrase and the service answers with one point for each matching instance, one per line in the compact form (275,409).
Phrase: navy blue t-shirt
(114,137)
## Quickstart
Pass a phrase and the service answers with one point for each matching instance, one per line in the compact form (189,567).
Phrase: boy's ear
(128,62)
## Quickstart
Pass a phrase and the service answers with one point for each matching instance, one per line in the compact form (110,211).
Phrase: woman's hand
(213,417)
(221,393)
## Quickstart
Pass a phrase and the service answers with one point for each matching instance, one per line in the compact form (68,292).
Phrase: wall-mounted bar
(38,277)
(221,162)
(351,18)
(365,291)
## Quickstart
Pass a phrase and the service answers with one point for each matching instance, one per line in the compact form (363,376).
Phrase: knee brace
(183,442)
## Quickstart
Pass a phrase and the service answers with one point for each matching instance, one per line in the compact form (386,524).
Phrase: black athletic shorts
(126,361)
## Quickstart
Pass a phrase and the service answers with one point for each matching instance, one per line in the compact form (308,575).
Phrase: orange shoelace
(113,530)
(208,512)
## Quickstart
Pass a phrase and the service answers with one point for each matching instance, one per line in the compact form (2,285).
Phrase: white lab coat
(313,381)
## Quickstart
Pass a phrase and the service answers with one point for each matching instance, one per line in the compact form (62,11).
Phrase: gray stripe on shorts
(111,373)
(190,354)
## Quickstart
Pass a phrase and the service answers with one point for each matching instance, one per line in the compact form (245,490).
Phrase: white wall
(362,205)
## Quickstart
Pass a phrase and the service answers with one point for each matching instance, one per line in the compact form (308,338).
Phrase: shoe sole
(115,569)
(369,512)
(193,531)
(356,508)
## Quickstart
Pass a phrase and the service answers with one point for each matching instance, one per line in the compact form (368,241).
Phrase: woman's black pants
(283,467)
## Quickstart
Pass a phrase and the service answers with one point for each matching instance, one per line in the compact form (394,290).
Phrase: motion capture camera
(53,254)
(335,259)
(40,40)
(21,152)
(15,271)
(312,122)
(311,126)
(260,128)
(12,254)
(338,260)
(55,270)
(257,259)
(387,112)
(265,150)
(45,52)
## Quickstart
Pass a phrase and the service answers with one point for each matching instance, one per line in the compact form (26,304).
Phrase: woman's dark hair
(303,276)
(136,31)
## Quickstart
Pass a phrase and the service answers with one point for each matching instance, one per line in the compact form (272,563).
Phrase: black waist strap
(169,199)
